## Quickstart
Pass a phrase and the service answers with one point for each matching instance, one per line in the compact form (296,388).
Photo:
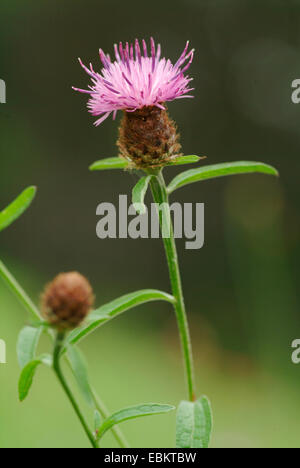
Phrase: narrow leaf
(79,368)
(28,373)
(130,300)
(26,378)
(219,170)
(97,421)
(208,418)
(181,160)
(109,163)
(17,207)
(115,308)
(138,194)
(194,424)
(27,344)
(133,413)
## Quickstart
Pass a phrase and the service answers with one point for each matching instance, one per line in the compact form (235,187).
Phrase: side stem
(16,288)
(19,292)
(59,343)
(116,431)
(161,198)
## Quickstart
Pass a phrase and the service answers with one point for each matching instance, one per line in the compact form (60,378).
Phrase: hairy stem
(160,196)
(59,343)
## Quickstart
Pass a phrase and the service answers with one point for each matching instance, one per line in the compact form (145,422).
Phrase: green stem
(19,292)
(59,343)
(160,196)
(9,279)
(116,431)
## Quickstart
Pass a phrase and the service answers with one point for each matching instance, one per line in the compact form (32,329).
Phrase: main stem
(59,343)
(160,196)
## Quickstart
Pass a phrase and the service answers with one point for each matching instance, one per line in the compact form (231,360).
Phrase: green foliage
(26,350)
(219,170)
(15,287)
(138,194)
(27,344)
(97,421)
(132,413)
(194,424)
(115,308)
(180,160)
(109,163)
(79,369)
(28,372)
(194,419)
(17,207)
(120,163)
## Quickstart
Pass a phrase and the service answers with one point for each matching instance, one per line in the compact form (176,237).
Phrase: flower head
(67,301)
(136,80)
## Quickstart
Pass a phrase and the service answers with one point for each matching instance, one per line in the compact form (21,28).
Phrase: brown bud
(67,300)
(148,137)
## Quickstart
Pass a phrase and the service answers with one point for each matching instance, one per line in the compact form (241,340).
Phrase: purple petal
(138,51)
(121,51)
(104,117)
(117,53)
(145,49)
(182,56)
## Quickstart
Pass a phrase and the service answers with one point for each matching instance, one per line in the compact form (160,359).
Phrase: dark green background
(241,289)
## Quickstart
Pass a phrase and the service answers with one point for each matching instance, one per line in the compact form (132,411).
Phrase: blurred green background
(241,289)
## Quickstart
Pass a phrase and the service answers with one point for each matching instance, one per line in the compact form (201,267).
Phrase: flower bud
(148,137)
(67,301)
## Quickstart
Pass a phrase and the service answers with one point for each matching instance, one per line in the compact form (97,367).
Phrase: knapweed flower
(140,84)
(67,301)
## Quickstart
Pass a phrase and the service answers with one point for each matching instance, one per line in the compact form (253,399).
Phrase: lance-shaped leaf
(79,369)
(115,308)
(133,412)
(138,194)
(194,424)
(219,170)
(17,207)
(27,344)
(181,160)
(109,163)
(28,372)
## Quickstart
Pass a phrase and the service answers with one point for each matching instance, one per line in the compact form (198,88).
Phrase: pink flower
(136,80)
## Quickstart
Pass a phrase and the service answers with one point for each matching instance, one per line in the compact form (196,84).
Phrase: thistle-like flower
(67,301)
(140,84)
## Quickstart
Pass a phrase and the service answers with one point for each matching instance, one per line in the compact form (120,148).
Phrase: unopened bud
(148,137)
(67,301)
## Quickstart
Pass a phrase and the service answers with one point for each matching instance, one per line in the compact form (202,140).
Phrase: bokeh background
(241,289)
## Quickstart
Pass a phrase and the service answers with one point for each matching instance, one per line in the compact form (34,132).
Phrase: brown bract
(67,301)
(148,137)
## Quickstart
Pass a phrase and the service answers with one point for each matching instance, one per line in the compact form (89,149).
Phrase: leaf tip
(273,171)
(92,167)
(30,193)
